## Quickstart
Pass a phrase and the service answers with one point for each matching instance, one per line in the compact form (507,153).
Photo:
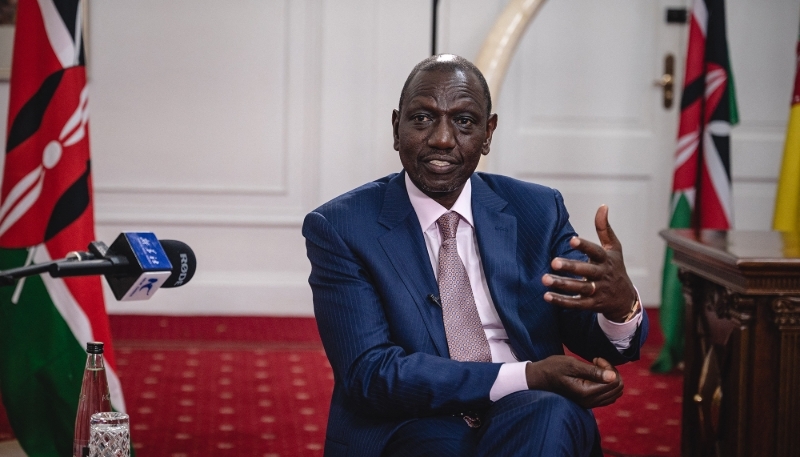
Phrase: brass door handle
(667,81)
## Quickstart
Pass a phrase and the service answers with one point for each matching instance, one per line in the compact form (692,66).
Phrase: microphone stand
(9,277)
(75,264)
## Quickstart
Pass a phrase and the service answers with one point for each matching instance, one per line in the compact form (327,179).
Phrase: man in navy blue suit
(526,285)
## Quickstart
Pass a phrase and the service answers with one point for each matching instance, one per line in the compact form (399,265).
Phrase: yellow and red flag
(787,200)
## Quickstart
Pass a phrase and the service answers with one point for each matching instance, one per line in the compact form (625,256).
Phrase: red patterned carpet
(646,420)
(258,386)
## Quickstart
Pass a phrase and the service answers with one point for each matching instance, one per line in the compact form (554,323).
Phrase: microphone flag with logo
(46,211)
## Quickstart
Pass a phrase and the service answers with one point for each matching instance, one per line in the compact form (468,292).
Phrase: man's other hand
(588,385)
(605,287)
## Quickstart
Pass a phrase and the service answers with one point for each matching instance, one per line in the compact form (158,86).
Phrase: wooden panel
(787,318)
(743,308)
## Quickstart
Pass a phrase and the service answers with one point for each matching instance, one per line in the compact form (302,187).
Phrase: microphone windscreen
(184,263)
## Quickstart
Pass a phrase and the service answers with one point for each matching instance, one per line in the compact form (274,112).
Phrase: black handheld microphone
(135,265)
(183,261)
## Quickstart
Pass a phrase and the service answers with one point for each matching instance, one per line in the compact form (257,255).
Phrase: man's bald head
(448,63)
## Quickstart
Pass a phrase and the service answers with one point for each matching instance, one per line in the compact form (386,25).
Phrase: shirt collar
(429,210)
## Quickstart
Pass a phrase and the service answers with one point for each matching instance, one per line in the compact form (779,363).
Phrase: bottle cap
(95,347)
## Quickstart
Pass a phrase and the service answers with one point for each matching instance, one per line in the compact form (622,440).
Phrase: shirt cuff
(621,333)
(510,379)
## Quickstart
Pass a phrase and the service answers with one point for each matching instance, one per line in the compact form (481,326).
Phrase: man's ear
(491,124)
(395,128)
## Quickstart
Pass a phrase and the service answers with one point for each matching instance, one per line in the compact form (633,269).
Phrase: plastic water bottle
(95,397)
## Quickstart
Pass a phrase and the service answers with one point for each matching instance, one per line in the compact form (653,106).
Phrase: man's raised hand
(606,287)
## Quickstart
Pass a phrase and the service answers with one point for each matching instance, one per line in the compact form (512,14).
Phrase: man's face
(442,132)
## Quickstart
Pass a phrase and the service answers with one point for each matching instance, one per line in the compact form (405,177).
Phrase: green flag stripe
(41,366)
(670,317)
(682,214)
(672,303)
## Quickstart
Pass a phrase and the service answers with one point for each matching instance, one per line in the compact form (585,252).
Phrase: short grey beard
(424,188)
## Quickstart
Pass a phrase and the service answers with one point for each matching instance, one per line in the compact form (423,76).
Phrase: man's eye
(420,118)
(464,121)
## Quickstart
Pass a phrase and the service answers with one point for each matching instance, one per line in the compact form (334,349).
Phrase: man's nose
(442,136)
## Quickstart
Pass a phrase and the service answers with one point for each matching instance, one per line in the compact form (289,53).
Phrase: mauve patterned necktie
(462,324)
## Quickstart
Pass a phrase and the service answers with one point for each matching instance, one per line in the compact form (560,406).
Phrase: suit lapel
(405,247)
(496,232)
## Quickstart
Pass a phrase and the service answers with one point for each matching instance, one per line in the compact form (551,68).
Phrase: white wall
(256,112)
(579,110)
(223,124)
(762,40)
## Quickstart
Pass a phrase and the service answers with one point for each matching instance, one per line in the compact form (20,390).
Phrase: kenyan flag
(701,186)
(45,212)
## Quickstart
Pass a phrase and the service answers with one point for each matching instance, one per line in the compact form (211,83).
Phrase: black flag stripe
(70,205)
(29,118)
(723,145)
(693,91)
(68,10)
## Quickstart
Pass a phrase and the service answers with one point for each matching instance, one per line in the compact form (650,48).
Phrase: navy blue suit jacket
(371,277)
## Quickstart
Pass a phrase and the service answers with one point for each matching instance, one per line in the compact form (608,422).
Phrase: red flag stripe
(51,158)
(701,167)
(28,74)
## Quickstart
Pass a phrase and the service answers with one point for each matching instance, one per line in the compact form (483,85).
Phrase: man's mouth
(440,166)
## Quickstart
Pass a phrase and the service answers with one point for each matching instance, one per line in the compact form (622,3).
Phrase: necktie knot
(448,224)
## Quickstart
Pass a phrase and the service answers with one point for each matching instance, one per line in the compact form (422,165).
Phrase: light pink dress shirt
(511,377)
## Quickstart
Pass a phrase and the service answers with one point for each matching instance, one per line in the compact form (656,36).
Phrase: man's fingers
(576,267)
(566,301)
(601,224)
(570,285)
(606,366)
(604,232)
(593,394)
(609,375)
(595,252)
(586,384)
(603,363)
(608,398)
(571,302)
(593,373)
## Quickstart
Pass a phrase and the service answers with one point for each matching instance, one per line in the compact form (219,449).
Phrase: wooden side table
(742,380)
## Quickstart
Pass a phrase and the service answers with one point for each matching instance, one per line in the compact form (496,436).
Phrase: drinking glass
(109,435)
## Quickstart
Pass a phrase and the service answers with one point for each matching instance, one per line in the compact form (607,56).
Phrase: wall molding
(220,298)
(202,219)
(192,190)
